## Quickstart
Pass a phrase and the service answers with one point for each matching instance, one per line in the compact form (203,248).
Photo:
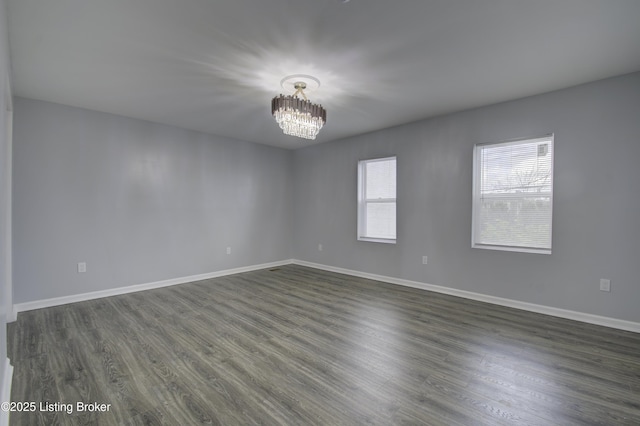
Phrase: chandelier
(296,116)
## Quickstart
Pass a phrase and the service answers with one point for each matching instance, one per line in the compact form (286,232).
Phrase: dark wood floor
(298,346)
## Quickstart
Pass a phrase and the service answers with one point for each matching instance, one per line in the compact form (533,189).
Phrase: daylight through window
(513,195)
(377,200)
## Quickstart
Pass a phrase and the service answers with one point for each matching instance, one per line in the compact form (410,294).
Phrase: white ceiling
(214,65)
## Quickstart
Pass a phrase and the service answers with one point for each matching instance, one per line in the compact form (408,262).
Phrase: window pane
(381,179)
(509,169)
(381,220)
(524,222)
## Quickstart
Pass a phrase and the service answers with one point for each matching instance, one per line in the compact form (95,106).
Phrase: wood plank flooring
(299,346)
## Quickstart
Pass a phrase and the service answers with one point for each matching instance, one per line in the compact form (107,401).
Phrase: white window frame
(476,202)
(362,201)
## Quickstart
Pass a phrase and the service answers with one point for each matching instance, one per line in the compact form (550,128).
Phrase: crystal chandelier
(298,117)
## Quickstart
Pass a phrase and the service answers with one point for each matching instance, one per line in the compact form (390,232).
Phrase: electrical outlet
(82,267)
(424,260)
(319,247)
(605,285)
(228,250)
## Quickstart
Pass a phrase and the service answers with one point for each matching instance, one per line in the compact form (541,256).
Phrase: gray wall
(139,202)
(142,202)
(596,233)
(5,190)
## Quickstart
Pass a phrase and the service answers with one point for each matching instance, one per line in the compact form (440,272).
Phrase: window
(377,200)
(513,195)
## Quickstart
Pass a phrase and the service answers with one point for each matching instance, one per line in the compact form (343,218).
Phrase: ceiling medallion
(298,116)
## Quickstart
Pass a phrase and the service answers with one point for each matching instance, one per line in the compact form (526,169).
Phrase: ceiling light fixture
(296,116)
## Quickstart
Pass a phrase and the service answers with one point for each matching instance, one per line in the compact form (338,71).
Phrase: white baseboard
(541,309)
(46,303)
(5,391)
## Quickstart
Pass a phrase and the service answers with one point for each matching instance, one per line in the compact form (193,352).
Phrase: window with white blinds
(513,195)
(377,200)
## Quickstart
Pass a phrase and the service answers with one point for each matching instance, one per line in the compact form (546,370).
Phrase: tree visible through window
(377,200)
(513,195)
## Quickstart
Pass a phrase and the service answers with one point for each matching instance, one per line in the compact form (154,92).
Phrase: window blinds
(513,195)
(377,207)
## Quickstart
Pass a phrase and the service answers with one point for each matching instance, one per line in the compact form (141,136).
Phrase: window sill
(377,240)
(516,249)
